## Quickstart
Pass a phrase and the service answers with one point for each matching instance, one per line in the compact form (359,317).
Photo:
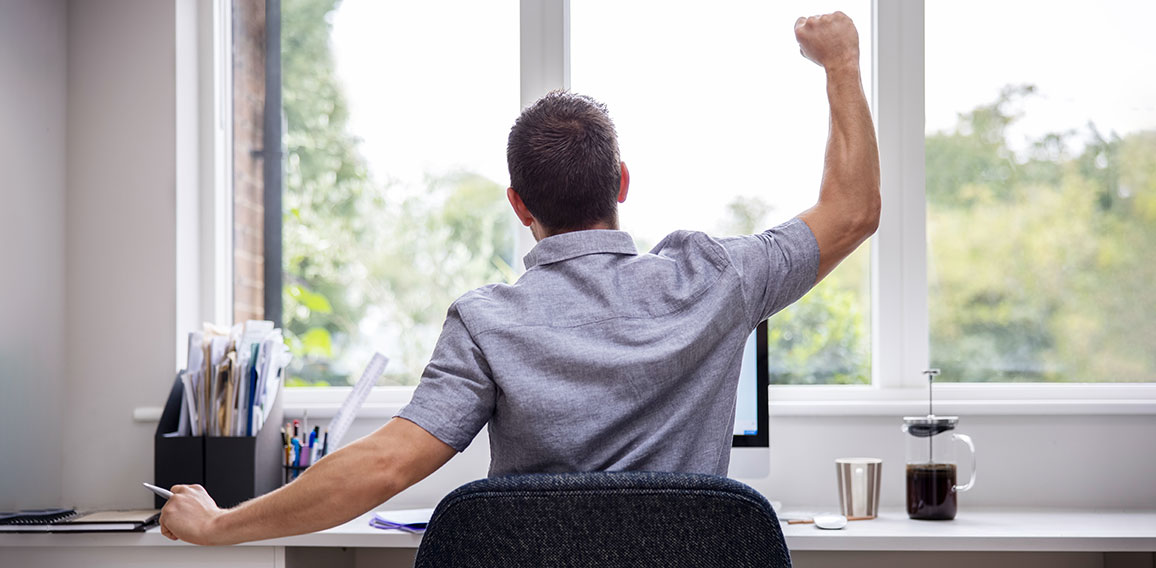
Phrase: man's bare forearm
(332,491)
(851,165)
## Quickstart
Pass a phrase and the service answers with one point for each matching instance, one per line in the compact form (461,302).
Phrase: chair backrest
(604,519)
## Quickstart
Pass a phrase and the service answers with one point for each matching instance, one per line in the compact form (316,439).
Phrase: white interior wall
(121,243)
(32,271)
(1092,462)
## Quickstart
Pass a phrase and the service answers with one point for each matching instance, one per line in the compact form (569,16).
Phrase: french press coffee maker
(931,468)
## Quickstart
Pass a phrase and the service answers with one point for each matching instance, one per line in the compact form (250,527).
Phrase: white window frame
(204,181)
(900,322)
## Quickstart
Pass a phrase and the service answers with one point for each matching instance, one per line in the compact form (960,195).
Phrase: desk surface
(989,530)
(977,530)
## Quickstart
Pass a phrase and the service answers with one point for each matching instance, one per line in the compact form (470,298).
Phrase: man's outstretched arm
(848,208)
(337,488)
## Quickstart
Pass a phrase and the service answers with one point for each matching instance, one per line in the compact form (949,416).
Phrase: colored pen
(164,493)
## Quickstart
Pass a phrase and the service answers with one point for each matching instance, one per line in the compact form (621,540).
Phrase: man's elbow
(871,220)
(866,220)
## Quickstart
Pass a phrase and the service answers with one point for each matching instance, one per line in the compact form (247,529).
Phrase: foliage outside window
(1042,200)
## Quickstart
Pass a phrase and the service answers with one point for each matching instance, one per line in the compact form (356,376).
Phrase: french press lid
(930,425)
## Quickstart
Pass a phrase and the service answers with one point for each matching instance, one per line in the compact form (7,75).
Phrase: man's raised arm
(848,208)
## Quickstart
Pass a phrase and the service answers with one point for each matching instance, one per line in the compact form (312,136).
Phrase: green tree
(1038,270)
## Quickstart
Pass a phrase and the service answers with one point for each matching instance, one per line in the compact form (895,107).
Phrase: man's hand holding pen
(192,516)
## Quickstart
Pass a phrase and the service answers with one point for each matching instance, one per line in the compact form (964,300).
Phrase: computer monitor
(750,448)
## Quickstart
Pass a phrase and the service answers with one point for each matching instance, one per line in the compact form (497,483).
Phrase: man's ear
(519,208)
(624,185)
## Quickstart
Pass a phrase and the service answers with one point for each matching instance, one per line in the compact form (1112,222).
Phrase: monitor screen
(751,404)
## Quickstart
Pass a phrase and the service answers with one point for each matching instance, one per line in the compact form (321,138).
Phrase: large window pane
(396,118)
(723,125)
(1041,190)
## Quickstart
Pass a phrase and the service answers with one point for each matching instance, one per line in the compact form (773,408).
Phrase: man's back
(599,358)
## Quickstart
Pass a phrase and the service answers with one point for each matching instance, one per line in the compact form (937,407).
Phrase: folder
(408,520)
(231,468)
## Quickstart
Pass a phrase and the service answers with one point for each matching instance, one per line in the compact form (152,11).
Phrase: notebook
(36,516)
(68,520)
(408,520)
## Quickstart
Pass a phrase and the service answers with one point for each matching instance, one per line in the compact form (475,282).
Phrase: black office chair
(604,519)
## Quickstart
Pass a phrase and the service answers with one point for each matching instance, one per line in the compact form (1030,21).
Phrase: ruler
(348,411)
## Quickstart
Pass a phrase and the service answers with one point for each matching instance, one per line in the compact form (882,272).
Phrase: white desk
(973,530)
(988,530)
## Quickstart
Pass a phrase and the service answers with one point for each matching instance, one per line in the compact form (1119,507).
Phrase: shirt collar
(570,245)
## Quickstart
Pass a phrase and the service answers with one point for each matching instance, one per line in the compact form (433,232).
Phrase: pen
(164,493)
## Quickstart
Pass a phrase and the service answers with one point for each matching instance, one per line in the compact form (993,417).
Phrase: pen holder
(232,469)
(292,466)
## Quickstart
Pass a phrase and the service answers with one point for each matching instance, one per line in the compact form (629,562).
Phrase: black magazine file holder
(232,469)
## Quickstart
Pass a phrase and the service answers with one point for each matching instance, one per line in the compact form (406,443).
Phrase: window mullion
(544,65)
(899,271)
(544,47)
(217,165)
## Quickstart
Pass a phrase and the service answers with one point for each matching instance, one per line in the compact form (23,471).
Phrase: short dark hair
(564,164)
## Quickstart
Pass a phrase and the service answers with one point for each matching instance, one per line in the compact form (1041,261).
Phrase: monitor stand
(750,463)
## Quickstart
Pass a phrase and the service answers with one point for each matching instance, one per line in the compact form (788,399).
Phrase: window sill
(965,407)
(1085,399)
(968,399)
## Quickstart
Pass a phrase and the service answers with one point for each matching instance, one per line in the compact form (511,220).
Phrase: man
(598,358)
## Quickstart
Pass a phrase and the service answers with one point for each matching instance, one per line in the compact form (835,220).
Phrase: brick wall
(248,175)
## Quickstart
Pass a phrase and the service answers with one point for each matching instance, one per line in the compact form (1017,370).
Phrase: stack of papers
(408,520)
(232,379)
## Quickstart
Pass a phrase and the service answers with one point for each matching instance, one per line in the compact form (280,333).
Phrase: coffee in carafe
(932,492)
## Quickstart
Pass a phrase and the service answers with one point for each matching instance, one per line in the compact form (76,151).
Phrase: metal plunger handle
(931,373)
(930,413)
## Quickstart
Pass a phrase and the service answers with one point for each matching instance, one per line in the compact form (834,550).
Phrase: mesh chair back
(604,519)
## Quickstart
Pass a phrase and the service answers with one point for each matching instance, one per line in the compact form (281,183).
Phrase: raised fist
(829,40)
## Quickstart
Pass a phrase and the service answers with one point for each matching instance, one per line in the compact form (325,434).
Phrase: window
(1017,216)
(1041,191)
(395,116)
(723,125)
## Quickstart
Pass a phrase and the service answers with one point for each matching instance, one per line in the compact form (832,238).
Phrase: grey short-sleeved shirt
(603,359)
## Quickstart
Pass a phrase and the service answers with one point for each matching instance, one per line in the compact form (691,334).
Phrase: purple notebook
(408,520)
